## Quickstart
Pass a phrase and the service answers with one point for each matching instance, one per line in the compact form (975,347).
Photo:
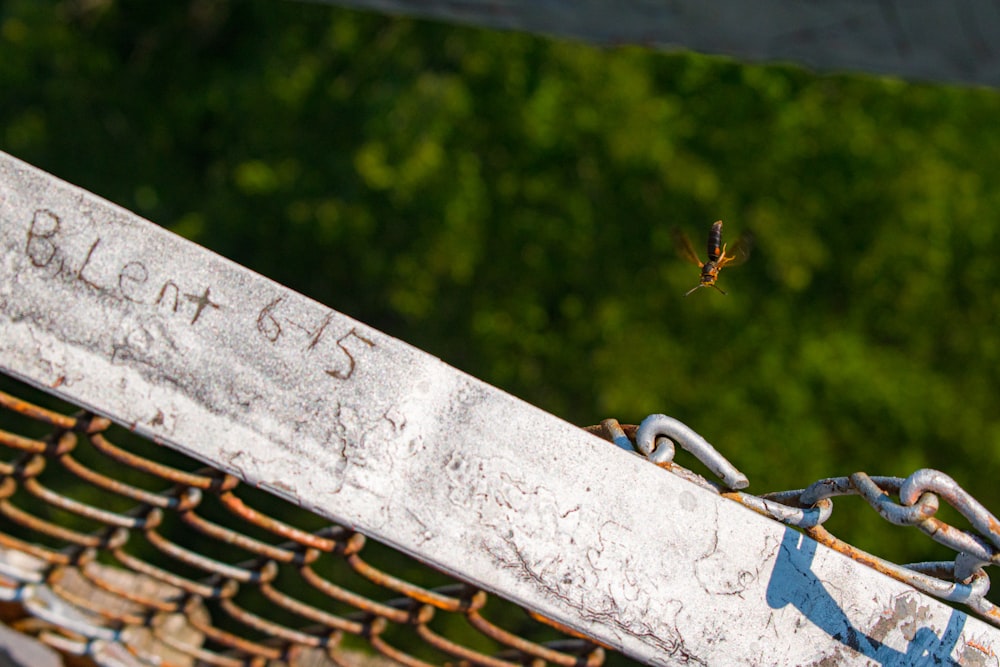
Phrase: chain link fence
(124,552)
(118,550)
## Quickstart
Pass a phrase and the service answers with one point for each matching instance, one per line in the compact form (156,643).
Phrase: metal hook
(654,429)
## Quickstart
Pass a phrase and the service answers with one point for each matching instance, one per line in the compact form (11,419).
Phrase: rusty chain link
(108,554)
(910,501)
(187,572)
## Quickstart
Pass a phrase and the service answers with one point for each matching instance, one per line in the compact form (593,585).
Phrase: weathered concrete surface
(196,352)
(922,40)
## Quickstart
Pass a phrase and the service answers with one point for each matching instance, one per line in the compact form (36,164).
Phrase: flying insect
(718,256)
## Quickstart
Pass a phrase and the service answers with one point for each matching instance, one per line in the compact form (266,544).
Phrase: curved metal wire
(190,575)
(192,572)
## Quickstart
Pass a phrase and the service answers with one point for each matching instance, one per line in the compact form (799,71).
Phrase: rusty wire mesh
(137,553)
(125,552)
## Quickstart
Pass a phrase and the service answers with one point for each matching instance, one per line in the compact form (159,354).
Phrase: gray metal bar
(112,312)
(935,41)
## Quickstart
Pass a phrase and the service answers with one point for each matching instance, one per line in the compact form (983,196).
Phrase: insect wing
(740,252)
(684,247)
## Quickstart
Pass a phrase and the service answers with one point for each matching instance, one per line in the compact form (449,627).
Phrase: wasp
(717,254)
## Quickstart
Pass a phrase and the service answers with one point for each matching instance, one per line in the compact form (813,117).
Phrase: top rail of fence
(113,313)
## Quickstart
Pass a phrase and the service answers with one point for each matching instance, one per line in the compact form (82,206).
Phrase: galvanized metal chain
(910,501)
(116,560)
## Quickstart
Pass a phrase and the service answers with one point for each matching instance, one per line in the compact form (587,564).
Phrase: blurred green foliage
(505,202)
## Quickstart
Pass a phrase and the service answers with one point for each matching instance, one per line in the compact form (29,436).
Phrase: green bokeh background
(505,202)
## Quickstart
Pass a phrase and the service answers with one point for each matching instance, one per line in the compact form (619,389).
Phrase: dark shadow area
(794,583)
